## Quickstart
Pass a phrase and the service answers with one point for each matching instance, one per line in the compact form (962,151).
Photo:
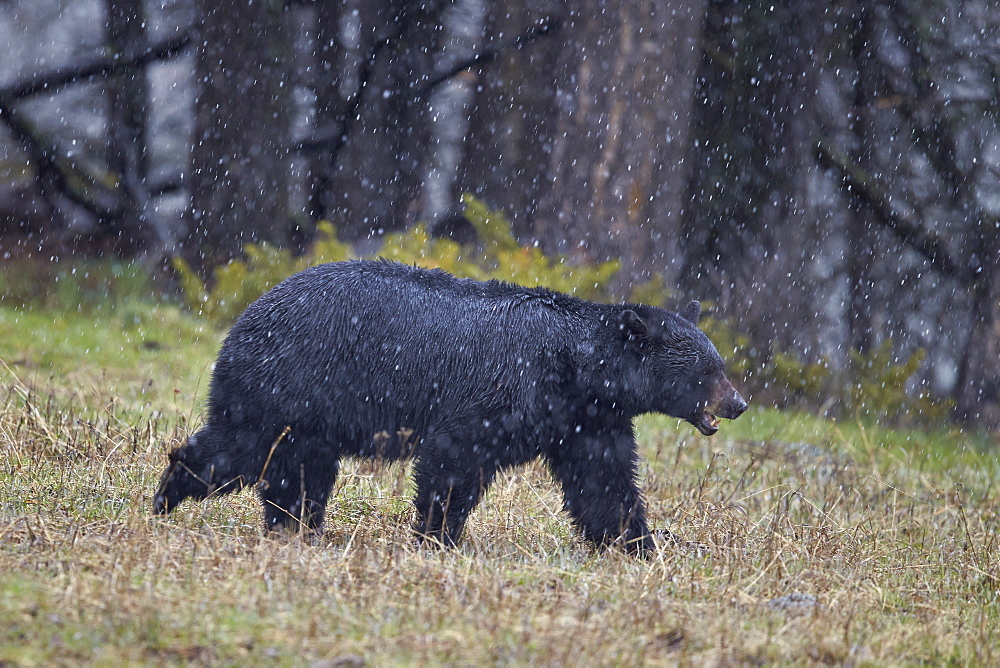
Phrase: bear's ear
(692,312)
(633,324)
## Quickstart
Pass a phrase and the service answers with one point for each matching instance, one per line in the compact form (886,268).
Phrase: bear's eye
(706,371)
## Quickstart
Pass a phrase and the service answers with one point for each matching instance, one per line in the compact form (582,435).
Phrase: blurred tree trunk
(240,159)
(964,141)
(329,83)
(131,230)
(861,235)
(977,396)
(624,81)
(461,42)
(508,146)
(375,186)
(583,137)
(750,237)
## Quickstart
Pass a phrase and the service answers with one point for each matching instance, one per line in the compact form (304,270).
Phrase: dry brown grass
(893,558)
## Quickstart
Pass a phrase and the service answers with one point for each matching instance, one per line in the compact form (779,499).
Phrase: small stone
(795,602)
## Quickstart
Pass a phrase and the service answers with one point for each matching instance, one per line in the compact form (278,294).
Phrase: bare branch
(51,82)
(332,137)
(549,25)
(53,173)
(905,224)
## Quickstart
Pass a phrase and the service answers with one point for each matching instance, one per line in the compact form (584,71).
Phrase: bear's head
(194,473)
(684,375)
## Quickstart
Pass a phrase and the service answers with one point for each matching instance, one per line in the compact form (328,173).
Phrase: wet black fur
(381,360)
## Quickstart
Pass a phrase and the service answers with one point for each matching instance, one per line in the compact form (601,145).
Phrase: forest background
(826,175)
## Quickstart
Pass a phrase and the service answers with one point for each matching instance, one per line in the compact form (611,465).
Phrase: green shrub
(779,377)
(874,386)
(236,284)
(877,388)
(497,255)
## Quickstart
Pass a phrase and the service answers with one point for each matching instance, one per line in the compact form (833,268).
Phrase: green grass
(150,359)
(894,533)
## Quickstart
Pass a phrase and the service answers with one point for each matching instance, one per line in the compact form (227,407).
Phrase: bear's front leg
(450,482)
(598,476)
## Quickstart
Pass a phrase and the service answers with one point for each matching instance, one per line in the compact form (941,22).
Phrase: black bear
(380,360)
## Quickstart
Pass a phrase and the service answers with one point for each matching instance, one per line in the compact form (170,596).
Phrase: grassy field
(802,540)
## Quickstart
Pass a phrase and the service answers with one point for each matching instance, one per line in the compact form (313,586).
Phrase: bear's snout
(739,406)
(160,505)
(728,403)
(725,403)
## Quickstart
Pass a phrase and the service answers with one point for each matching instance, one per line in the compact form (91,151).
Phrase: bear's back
(379,334)
(361,275)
